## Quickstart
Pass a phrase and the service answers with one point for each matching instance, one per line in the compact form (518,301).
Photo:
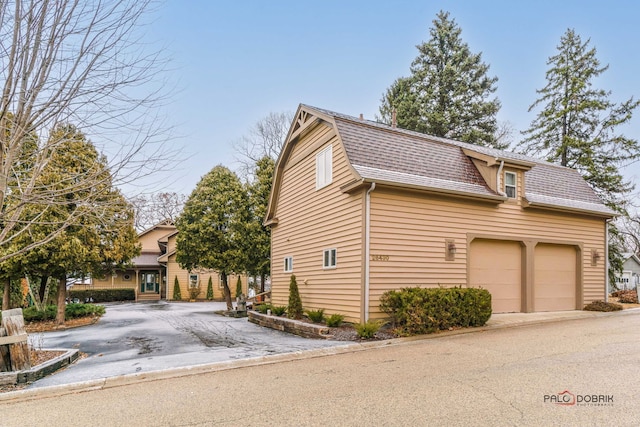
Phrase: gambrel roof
(397,157)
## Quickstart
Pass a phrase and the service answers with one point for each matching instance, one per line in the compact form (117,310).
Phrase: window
(193,281)
(288,264)
(324,168)
(329,258)
(510,184)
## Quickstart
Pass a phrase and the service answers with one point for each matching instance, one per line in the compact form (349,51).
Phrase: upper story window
(510,180)
(288,264)
(324,167)
(330,258)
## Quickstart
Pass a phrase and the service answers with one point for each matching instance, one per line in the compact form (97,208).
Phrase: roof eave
(548,206)
(439,191)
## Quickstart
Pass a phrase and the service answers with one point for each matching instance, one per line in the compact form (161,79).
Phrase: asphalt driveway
(145,337)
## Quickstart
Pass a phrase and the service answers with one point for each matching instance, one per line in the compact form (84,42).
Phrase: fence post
(13,324)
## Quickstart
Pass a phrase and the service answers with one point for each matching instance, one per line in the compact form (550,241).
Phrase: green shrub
(72,311)
(316,316)
(102,295)
(210,290)
(334,320)
(424,310)
(278,310)
(177,295)
(602,306)
(294,310)
(262,308)
(238,287)
(368,329)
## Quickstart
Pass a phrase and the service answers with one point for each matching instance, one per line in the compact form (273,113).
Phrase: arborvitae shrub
(238,287)
(294,310)
(210,290)
(177,295)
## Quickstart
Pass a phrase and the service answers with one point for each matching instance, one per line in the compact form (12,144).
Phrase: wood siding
(174,270)
(409,230)
(310,221)
(149,240)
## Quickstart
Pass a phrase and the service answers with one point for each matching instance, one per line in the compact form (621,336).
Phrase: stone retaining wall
(297,327)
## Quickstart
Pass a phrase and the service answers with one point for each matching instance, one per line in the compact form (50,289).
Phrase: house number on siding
(379,257)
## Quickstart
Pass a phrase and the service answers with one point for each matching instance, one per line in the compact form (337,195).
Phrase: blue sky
(233,62)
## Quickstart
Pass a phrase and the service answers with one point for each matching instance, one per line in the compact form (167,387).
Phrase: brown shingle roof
(381,153)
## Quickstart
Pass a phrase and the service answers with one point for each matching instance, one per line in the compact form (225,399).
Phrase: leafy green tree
(177,294)
(210,290)
(212,227)
(294,310)
(257,233)
(448,93)
(577,126)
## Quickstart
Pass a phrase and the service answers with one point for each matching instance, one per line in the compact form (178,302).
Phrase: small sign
(379,257)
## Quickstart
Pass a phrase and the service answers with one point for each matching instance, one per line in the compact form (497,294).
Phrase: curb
(185,371)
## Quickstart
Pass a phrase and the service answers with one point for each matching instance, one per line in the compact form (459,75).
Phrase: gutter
(367,249)
(606,260)
(498,176)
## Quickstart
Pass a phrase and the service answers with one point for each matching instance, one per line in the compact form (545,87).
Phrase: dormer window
(510,180)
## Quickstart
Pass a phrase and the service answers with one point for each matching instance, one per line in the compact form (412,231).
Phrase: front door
(149,282)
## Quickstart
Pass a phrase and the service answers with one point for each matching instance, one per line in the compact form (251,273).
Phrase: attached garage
(496,265)
(555,279)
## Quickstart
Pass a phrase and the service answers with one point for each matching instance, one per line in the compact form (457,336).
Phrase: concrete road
(138,338)
(501,377)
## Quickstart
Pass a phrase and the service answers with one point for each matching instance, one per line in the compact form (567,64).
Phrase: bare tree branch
(80,62)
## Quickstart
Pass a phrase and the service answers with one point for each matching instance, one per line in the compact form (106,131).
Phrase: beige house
(154,271)
(358,208)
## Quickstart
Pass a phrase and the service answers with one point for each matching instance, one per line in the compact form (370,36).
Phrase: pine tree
(210,290)
(448,93)
(177,295)
(294,310)
(577,126)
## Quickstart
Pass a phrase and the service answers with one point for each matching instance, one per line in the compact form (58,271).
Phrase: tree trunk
(6,295)
(43,288)
(262,279)
(227,291)
(62,296)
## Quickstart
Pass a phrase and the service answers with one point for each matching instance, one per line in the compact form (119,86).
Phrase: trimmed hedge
(72,311)
(103,295)
(424,310)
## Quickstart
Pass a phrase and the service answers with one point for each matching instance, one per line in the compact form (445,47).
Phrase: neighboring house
(630,272)
(154,271)
(358,208)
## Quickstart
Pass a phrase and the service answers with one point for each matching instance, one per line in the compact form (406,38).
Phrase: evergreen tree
(257,233)
(212,227)
(577,126)
(210,290)
(177,294)
(294,310)
(448,93)
(238,287)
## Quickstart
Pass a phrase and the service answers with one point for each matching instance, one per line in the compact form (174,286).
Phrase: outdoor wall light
(595,256)
(450,250)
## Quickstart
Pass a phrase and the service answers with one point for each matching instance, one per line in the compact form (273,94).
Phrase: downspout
(606,260)
(367,244)
(498,176)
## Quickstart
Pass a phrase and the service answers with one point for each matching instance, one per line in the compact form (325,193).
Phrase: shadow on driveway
(143,337)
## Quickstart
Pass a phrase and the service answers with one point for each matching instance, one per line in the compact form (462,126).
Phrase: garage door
(497,266)
(555,278)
